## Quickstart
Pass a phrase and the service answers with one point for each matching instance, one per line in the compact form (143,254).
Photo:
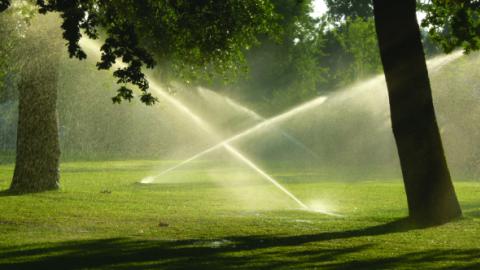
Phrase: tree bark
(38,149)
(430,193)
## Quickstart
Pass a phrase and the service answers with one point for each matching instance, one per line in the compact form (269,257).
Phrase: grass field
(103,219)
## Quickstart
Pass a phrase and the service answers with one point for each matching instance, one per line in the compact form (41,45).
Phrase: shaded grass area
(244,252)
(103,219)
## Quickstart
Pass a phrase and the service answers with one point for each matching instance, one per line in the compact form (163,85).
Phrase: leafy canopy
(454,23)
(183,34)
(341,9)
(285,71)
(451,23)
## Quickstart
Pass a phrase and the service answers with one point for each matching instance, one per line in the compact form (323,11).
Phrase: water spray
(255,128)
(203,125)
(257,117)
(435,64)
(225,144)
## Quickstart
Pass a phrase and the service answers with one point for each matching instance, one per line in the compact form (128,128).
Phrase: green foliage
(285,71)
(350,52)
(90,127)
(430,46)
(448,24)
(339,10)
(358,38)
(454,23)
(182,35)
(451,23)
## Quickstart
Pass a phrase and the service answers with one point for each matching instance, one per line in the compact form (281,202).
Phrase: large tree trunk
(430,193)
(38,149)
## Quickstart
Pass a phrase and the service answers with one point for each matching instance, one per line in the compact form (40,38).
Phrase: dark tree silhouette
(430,193)
(4,4)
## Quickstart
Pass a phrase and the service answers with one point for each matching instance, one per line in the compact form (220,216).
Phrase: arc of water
(225,144)
(434,65)
(202,124)
(268,122)
(258,117)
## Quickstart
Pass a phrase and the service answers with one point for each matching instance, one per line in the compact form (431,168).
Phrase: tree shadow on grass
(475,213)
(237,252)
(10,193)
(7,193)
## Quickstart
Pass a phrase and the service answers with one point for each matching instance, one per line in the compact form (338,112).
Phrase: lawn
(104,219)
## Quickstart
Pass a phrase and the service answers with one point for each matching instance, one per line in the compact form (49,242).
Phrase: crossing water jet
(225,144)
(434,65)
(257,117)
(266,123)
(253,129)
(204,126)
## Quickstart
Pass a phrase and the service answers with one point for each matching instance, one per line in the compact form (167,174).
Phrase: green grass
(197,222)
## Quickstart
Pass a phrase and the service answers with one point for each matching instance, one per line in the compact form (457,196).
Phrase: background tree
(181,35)
(430,193)
(453,24)
(285,71)
(37,120)
(350,52)
(339,10)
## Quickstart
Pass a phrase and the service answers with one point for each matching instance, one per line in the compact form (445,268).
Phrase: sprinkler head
(321,210)
(147,180)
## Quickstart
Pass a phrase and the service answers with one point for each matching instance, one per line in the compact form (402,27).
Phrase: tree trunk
(429,189)
(38,149)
